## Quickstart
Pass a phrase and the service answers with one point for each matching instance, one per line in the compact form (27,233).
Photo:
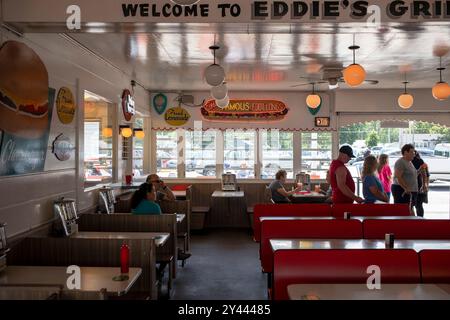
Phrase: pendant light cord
(354,50)
(406,82)
(214,49)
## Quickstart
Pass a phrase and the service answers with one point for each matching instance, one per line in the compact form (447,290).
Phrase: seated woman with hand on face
(143,200)
(372,187)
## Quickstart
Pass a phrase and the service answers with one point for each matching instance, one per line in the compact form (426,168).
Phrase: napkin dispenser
(66,217)
(107,199)
(304,179)
(3,246)
(229,182)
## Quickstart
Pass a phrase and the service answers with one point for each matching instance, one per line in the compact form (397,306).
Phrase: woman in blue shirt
(372,188)
(143,200)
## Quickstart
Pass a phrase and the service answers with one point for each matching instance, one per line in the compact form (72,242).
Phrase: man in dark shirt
(422,180)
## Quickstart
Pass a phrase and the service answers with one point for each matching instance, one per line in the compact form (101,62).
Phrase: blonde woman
(372,188)
(385,173)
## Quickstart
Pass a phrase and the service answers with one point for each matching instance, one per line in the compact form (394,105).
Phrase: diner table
(93,279)
(261,219)
(179,194)
(228,209)
(398,291)
(362,218)
(417,245)
(159,237)
(126,186)
(308,197)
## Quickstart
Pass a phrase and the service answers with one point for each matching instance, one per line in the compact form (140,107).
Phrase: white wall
(298,117)
(26,201)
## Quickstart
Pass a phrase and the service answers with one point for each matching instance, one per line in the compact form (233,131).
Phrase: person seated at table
(163,192)
(143,200)
(372,187)
(279,193)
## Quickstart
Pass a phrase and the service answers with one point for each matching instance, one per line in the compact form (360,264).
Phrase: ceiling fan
(331,76)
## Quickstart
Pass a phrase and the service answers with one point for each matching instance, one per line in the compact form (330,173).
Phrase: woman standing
(385,174)
(405,187)
(372,188)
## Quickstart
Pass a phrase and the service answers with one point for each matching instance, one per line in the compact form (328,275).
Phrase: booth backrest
(342,266)
(370,209)
(123,222)
(407,229)
(304,229)
(435,266)
(288,210)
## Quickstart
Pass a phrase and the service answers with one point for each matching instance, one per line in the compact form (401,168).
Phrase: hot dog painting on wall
(26,104)
(245,110)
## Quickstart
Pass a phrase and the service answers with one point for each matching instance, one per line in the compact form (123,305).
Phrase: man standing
(342,184)
(162,191)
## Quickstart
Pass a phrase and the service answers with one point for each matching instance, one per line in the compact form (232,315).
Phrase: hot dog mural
(26,105)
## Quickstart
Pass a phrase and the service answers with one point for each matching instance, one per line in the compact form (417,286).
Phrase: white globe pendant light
(223,102)
(219,92)
(214,74)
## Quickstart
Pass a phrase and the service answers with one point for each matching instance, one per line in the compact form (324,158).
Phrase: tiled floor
(224,265)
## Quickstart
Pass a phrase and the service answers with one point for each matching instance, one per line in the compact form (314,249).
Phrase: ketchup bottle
(124,259)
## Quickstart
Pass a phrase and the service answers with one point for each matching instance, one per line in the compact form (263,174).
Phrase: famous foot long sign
(78,14)
(245,110)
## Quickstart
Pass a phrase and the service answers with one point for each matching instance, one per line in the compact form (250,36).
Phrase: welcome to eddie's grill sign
(290,11)
(223,11)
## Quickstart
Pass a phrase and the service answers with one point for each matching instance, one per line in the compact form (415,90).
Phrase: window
(239,153)
(316,153)
(98,135)
(200,155)
(166,154)
(277,153)
(138,149)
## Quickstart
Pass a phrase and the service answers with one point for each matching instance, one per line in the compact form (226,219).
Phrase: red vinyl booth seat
(370,209)
(342,266)
(407,229)
(304,229)
(435,266)
(288,210)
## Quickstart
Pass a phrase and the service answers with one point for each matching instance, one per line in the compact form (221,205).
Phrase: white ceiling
(275,60)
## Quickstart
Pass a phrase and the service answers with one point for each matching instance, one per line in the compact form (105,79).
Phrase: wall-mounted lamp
(107,132)
(125,131)
(139,133)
